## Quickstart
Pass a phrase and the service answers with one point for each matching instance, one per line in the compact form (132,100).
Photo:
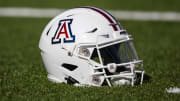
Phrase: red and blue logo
(64,32)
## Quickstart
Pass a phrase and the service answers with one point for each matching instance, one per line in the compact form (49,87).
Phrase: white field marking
(122,15)
(173,90)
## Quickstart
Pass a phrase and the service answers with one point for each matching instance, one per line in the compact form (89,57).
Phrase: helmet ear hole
(69,54)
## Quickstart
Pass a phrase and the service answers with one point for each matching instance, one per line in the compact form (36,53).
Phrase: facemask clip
(111,67)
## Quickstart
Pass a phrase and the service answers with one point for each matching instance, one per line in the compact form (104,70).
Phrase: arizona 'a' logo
(63,32)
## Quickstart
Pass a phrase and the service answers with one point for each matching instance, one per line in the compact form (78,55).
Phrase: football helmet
(88,46)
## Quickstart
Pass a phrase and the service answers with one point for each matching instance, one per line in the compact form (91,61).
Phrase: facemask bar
(101,62)
(131,65)
(102,67)
(125,75)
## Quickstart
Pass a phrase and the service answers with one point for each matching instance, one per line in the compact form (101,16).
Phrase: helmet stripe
(105,15)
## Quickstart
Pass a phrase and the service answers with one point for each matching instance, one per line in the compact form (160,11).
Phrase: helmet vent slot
(70,67)
(123,32)
(93,30)
(70,15)
(71,80)
(48,31)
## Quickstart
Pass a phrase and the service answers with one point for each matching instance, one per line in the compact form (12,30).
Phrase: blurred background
(144,5)
(23,77)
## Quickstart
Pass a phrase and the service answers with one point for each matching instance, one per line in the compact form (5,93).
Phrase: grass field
(23,77)
(150,5)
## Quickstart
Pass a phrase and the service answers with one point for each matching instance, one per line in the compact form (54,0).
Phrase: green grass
(23,77)
(159,5)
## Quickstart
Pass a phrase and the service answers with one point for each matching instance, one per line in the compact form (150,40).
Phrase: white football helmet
(87,46)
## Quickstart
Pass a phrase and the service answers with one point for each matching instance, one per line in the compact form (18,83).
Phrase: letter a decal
(63,32)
